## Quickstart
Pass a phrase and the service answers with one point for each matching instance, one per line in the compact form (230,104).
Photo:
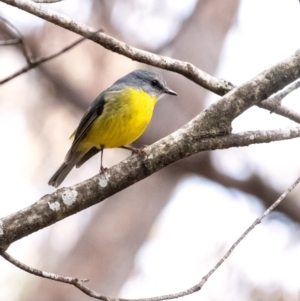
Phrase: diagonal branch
(79,283)
(67,201)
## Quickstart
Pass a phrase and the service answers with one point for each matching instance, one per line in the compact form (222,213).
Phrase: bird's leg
(102,169)
(135,150)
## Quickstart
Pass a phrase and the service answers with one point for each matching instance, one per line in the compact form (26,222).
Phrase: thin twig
(79,283)
(273,103)
(26,50)
(34,63)
(278,97)
(233,247)
(279,110)
(68,280)
(198,286)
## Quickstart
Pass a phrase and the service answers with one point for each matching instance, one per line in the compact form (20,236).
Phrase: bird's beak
(169,91)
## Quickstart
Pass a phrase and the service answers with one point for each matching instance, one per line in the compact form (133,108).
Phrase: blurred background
(163,234)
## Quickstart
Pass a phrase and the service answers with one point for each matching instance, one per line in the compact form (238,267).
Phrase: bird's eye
(154,83)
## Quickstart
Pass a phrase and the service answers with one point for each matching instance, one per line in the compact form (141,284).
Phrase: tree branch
(32,63)
(278,97)
(67,201)
(273,103)
(26,50)
(68,280)
(218,86)
(186,69)
(79,283)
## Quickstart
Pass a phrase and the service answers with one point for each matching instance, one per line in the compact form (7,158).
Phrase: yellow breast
(125,117)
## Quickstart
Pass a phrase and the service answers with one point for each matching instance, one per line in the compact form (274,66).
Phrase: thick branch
(188,140)
(218,117)
(67,201)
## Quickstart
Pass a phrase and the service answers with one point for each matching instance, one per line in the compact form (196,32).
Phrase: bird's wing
(88,118)
(94,111)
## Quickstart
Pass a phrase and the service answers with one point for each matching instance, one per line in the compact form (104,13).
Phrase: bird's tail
(62,172)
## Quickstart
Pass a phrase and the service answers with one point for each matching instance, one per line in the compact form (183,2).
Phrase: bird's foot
(103,180)
(135,150)
(103,169)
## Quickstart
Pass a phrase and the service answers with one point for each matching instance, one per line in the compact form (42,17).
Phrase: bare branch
(34,63)
(79,283)
(278,97)
(267,104)
(68,280)
(25,47)
(273,103)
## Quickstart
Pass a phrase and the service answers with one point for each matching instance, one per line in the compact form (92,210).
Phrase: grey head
(151,82)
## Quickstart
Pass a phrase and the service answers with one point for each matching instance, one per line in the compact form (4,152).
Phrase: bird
(115,119)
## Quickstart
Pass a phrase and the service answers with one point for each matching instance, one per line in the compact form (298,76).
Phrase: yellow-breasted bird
(116,118)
